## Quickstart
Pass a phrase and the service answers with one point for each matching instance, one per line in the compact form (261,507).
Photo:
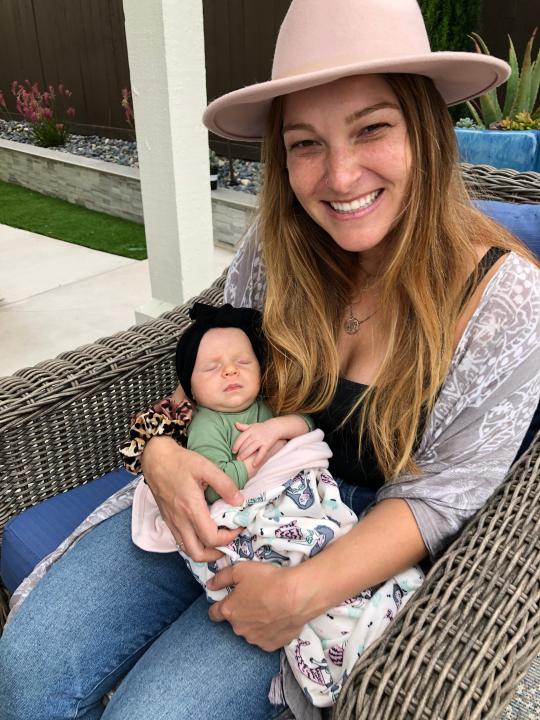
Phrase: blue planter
(517,149)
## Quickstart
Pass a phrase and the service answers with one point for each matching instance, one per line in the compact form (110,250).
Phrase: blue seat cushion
(520,218)
(36,532)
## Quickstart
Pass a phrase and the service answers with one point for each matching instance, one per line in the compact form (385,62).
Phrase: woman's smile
(355,208)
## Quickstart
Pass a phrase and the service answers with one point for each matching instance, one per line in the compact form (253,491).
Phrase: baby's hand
(255,441)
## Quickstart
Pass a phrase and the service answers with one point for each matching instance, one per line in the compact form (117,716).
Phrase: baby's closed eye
(209,368)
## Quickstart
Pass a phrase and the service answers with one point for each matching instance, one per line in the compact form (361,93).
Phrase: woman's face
(348,158)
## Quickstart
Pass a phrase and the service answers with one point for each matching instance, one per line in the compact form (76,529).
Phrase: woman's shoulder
(507,318)
(517,281)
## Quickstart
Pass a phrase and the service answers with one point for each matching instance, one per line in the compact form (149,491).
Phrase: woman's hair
(429,252)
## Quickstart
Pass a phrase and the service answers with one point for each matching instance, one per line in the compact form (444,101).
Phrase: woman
(368,240)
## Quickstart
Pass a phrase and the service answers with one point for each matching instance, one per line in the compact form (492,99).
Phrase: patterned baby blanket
(292,511)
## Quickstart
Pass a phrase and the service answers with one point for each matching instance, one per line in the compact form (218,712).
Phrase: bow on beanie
(207,317)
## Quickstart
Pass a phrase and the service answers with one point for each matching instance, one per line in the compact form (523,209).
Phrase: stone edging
(110,188)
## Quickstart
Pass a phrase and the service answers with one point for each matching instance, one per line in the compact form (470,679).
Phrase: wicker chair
(460,648)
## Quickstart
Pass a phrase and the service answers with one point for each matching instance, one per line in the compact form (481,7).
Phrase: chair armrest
(62,421)
(488,183)
(465,640)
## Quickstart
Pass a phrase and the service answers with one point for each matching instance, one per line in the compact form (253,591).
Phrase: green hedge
(449,22)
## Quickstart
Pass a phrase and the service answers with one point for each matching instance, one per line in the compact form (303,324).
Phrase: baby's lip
(233,386)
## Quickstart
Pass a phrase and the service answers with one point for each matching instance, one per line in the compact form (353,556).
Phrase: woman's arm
(270,605)
(384,542)
(177,478)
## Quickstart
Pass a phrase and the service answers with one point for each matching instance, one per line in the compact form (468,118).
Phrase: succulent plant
(468,124)
(521,95)
(522,121)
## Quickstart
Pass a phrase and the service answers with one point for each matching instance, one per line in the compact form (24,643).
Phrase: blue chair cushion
(520,218)
(36,532)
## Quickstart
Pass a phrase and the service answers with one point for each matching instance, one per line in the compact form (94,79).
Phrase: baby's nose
(230,369)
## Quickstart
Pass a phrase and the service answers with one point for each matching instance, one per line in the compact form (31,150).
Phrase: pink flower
(59,126)
(46,113)
(2,101)
(61,88)
(68,93)
(126,106)
(14,86)
(46,97)
(71,112)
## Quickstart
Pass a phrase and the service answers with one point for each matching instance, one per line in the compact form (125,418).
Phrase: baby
(218,362)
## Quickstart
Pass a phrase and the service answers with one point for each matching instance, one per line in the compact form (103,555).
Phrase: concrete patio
(55,296)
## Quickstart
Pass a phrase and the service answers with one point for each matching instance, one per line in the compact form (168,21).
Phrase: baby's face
(227,375)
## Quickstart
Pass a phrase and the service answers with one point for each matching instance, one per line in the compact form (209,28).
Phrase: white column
(165,40)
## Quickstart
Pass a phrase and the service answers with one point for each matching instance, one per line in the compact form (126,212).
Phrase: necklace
(352,323)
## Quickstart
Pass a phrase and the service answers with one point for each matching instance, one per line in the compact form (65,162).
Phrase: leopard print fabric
(165,418)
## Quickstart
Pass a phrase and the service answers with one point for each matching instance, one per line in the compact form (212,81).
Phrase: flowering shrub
(127,107)
(41,110)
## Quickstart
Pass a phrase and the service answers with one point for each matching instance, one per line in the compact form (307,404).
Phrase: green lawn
(29,210)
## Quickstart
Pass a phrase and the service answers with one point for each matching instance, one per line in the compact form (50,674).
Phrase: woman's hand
(177,478)
(265,606)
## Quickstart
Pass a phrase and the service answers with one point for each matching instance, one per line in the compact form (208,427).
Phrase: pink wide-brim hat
(323,40)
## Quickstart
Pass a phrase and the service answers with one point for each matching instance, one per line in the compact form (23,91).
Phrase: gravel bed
(121,152)
(124,152)
(247,175)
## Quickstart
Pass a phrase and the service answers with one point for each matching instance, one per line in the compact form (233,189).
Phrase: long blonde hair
(429,252)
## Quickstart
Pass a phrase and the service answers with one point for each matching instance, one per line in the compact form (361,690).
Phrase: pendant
(352,325)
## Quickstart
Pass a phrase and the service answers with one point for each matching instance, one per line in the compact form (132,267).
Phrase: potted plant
(214,166)
(507,136)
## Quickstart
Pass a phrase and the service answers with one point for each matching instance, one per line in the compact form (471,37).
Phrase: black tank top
(346,462)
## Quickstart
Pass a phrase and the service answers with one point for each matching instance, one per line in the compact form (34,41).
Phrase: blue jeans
(107,610)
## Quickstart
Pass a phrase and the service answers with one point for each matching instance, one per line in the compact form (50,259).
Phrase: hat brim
(458,76)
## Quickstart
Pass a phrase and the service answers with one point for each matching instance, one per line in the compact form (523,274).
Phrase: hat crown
(318,34)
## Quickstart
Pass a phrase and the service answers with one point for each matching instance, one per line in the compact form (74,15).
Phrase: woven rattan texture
(488,183)
(468,637)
